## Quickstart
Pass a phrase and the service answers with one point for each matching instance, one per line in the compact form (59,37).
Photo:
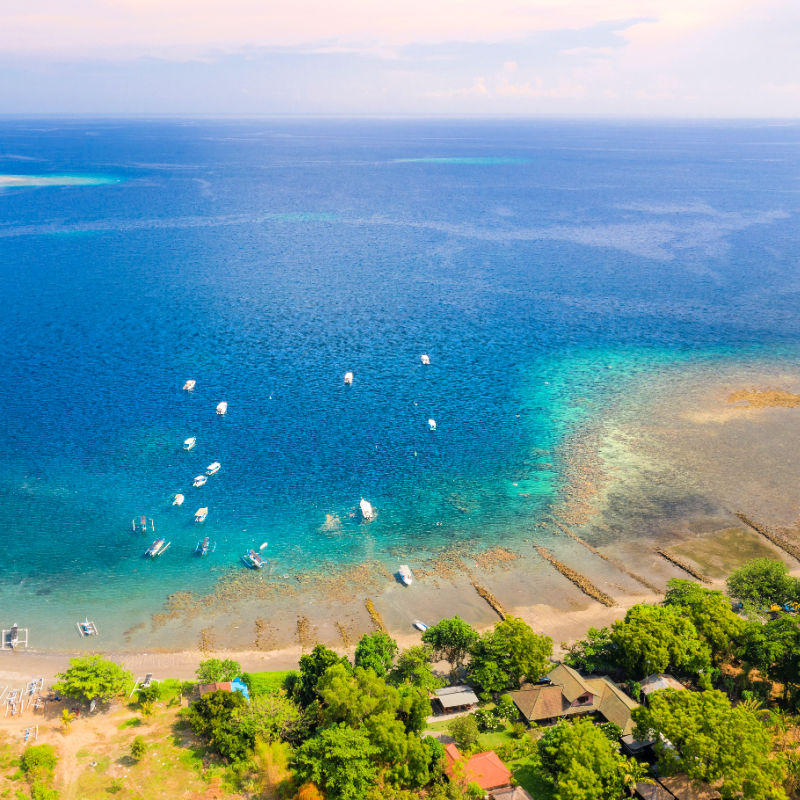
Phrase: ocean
(545,266)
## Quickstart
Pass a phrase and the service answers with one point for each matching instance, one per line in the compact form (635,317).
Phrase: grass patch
(527,774)
(267,682)
(133,722)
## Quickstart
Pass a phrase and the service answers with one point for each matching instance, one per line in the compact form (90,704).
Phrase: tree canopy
(376,651)
(655,638)
(91,678)
(312,667)
(213,670)
(582,764)
(763,581)
(701,734)
(710,611)
(414,667)
(451,639)
(215,717)
(774,649)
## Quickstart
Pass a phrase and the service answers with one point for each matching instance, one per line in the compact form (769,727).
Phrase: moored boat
(222,408)
(419,625)
(406,575)
(190,443)
(205,546)
(432,424)
(348,378)
(367,511)
(213,469)
(178,501)
(425,358)
(199,480)
(141,524)
(201,514)
(189,385)
(158,547)
(86,628)
(13,636)
(253,560)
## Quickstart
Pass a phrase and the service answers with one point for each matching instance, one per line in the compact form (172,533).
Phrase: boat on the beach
(367,511)
(87,628)
(419,625)
(189,385)
(13,636)
(348,378)
(432,424)
(190,443)
(222,408)
(425,358)
(158,547)
(253,560)
(201,514)
(141,524)
(406,575)
(199,480)
(178,501)
(213,469)
(205,546)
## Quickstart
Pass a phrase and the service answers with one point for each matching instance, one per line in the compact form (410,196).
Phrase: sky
(608,58)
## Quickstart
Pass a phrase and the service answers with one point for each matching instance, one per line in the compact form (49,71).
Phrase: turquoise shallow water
(540,265)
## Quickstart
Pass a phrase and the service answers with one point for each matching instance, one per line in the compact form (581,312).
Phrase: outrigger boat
(158,547)
(213,469)
(190,443)
(86,628)
(199,480)
(13,636)
(201,514)
(189,385)
(406,575)
(222,408)
(367,511)
(141,525)
(178,501)
(205,547)
(253,560)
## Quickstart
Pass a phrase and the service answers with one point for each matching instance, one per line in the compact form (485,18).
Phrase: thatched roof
(571,683)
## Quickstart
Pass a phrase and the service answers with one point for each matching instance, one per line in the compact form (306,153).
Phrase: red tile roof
(485,769)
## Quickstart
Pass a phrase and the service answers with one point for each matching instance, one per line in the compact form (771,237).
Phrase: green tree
(711,613)
(38,762)
(654,638)
(215,718)
(312,667)
(92,678)
(339,760)
(215,670)
(510,653)
(138,748)
(465,731)
(376,651)
(582,764)
(763,581)
(269,717)
(701,734)
(414,667)
(774,649)
(451,639)
(596,654)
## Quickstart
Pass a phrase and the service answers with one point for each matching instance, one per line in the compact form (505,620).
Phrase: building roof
(652,791)
(511,793)
(221,686)
(652,683)
(455,696)
(453,690)
(683,788)
(614,704)
(485,769)
(570,681)
(539,702)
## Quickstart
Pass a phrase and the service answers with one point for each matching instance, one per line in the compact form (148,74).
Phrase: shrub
(138,748)
(213,670)
(465,731)
(38,762)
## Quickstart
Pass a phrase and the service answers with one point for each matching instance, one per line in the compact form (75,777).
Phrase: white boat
(367,511)
(348,378)
(201,514)
(178,501)
(87,628)
(432,424)
(189,385)
(425,358)
(213,469)
(199,480)
(190,443)
(158,547)
(222,408)
(13,636)
(419,625)
(406,575)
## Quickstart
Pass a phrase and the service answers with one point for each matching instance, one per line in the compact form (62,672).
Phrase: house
(653,683)
(570,694)
(676,787)
(511,793)
(454,698)
(236,685)
(485,769)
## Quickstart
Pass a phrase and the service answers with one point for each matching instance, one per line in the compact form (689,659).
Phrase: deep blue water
(266,258)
